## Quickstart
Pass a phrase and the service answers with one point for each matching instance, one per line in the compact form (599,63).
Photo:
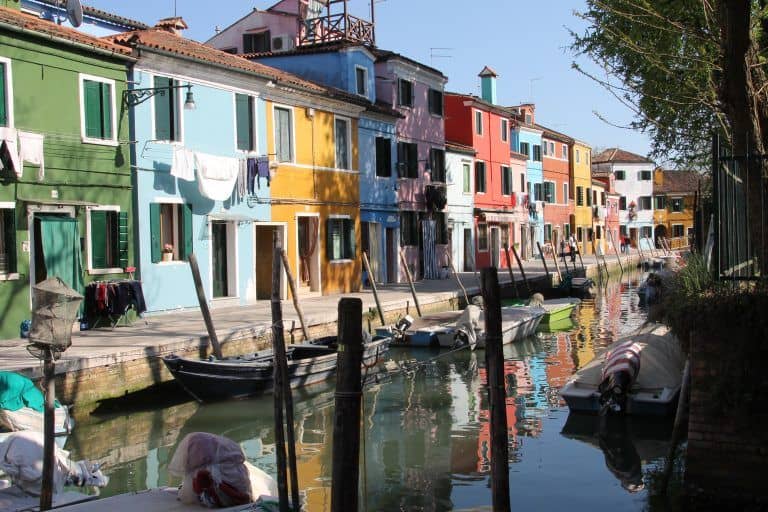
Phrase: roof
(680,182)
(600,173)
(379,107)
(519,156)
(333,46)
(48,29)
(617,155)
(385,55)
(488,71)
(482,103)
(103,15)
(552,134)
(163,40)
(456,147)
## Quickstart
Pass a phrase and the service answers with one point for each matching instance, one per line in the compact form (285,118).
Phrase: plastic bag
(21,458)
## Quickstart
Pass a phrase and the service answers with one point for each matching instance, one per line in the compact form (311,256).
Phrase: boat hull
(517,323)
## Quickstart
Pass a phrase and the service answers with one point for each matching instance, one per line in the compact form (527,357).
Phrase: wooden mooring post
(346,423)
(511,274)
(458,279)
(544,261)
(372,280)
(49,444)
(494,361)
(554,258)
(522,271)
(294,295)
(410,280)
(283,399)
(212,338)
(618,258)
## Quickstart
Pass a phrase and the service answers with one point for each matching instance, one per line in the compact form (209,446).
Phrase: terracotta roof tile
(160,39)
(617,155)
(459,148)
(679,182)
(47,28)
(552,134)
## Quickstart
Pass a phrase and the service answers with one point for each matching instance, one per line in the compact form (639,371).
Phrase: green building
(65,173)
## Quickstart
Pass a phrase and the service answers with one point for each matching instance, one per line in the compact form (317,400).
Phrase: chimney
(488,85)
(173,25)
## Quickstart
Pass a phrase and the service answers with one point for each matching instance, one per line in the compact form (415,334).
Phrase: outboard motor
(398,330)
(620,371)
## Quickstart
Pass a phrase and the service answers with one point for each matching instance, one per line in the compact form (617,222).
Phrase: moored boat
(517,323)
(558,309)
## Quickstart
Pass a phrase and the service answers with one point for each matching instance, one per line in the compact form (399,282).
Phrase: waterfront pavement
(158,334)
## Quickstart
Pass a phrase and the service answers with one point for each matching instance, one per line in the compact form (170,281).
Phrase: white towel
(31,151)
(183,166)
(216,176)
(8,138)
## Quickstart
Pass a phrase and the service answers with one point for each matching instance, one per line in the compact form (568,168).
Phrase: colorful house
(556,150)
(633,176)
(581,180)
(460,163)
(65,189)
(611,221)
(526,140)
(596,234)
(674,203)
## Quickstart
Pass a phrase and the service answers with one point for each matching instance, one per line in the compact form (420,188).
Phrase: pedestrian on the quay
(562,249)
(574,248)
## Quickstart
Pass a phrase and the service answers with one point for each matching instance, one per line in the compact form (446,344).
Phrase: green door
(219,262)
(57,250)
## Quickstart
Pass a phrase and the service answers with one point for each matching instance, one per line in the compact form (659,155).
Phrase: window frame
(566,190)
(506,180)
(8,81)
(527,151)
(409,164)
(409,237)
(536,153)
(579,196)
(478,164)
(112,141)
(400,99)
(252,111)
(347,230)
(504,130)
(433,164)
(292,132)
(682,230)
(183,219)
(620,175)
(179,140)
(674,201)
(13,274)
(254,34)
(432,102)
(577,156)
(482,227)
(478,122)
(544,187)
(388,159)
(348,122)
(564,153)
(89,240)
(466,173)
(364,69)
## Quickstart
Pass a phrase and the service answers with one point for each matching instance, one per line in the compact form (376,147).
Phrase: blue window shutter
(154,225)
(122,239)
(186,213)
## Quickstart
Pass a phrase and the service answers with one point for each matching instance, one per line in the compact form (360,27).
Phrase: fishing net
(55,308)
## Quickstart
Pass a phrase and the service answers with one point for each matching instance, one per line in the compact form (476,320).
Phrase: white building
(459,163)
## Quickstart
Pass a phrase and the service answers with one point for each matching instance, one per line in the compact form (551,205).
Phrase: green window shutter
(122,238)
(92,108)
(106,111)
(244,121)
(9,228)
(98,239)
(154,226)
(3,97)
(186,214)
(163,110)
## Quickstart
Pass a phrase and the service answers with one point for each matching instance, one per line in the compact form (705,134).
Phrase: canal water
(426,431)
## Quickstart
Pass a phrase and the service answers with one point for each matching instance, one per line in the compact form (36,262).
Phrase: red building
(611,208)
(556,187)
(498,174)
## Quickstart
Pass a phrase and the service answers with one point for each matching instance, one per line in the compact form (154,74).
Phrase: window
(409,228)
(579,196)
(536,153)
(108,238)
(257,43)
(342,138)
(552,149)
(525,149)
(644,175)
(283,134)
(537,192)
(565,193)
(547,233)
(506,180)
(482,237)
(467,170)
(97,109)
(435,100)
(580,234)
(383,157)
(661,202)
(479,177)
(566,231)
(6,100)
(361,81)
(478,122)
(167,121)
(678,230)
(589,196)
(171,230)
(645,232)
(564,152)
(544,148)
(7,239)
(407,160)
(232,50)
(505,235)
(244,119)
(504,130)
(644,203)
(441,228)
(623,203)
(340,238)
(577,156)
(437,165)
(549,192)
(677,204)
(621,175)
(404,93)
(522,183)
(528,119)
(602,198)
(623,230)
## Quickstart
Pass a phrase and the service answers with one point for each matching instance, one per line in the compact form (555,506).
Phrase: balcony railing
(336,27)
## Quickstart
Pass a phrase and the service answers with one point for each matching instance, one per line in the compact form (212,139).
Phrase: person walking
(574,248)
(562,249)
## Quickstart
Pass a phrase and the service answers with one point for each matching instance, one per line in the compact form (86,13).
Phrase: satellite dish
(75,12)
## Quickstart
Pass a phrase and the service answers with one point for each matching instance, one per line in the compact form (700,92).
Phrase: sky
(526,43)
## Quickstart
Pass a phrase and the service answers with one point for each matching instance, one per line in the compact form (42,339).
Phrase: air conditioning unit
(282,43)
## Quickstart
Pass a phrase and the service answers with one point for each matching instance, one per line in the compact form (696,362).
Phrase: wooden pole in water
(372,280)
(557,265)
(410,280)
(49,445)
(294,295)
(597,259)
(682,412)
(522,270)
(494,361)
(212,338)
(346,430)
(544,261)
(618,258)
(458,279)
(511,274)
(578,251)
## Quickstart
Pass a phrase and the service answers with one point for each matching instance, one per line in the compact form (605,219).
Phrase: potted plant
(167,252)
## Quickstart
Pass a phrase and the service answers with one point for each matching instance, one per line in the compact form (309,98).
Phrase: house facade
(556,167)
(460,164)
(633,178)
(596,234)
(581,180)
(611,221)
(527,140)
(65,186)
(674,205)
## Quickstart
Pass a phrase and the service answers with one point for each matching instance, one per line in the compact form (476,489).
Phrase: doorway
(264,250)
(307,232)
(495,246)
(55,247)
(371,238)
(633,236)
(468,252)
(391,242)
(223,264)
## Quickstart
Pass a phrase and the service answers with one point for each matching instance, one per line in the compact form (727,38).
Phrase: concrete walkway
(164,333)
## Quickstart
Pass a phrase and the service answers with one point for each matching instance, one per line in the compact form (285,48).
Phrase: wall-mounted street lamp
(133,97)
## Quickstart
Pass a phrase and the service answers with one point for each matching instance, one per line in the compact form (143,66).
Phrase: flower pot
(167,256)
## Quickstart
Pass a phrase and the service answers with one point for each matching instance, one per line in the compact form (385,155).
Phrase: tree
(689,68)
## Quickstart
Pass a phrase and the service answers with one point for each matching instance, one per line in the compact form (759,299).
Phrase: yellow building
(597,231)
(581,184)
(314,192)
(674,197)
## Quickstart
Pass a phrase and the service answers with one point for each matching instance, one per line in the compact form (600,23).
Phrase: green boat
(563,325)
(558,310)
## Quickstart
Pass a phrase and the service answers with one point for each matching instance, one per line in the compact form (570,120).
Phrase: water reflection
(426,434)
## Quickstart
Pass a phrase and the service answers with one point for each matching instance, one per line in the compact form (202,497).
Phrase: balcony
(336,27)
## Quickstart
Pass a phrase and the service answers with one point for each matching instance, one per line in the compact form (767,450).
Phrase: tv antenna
(438,53)
(530,87)
(74,12)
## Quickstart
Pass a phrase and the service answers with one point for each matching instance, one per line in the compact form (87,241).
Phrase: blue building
(526,139)
(190,188)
